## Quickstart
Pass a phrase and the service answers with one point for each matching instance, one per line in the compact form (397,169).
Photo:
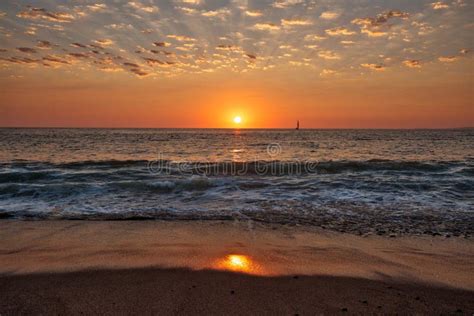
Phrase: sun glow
(237,120)
(238,263)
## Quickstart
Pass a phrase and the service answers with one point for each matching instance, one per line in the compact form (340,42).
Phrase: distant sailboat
(298,125)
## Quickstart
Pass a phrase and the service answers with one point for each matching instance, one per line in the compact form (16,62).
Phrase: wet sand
(74,267)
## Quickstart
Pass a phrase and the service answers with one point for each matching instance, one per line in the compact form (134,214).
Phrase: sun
(237,120)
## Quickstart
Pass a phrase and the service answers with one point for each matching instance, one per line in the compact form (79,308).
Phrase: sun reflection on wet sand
(239,263)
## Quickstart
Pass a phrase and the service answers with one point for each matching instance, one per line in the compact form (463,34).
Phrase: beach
(232,267)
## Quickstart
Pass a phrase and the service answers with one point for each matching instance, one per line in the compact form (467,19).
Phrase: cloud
(220,14)
(375,67)
(44,45)
(347,42)
(21,60)
(78,45)
(2,14)
(339,31)
(377,27)
(266,27)
(314,37)
(439,5)
(120,26)
(153,61)
(327,54)
(181,38)
(447,59)
(329,15)
(251,56)
(412,63)
(104,42)
(78,55)
(161,44)
(40,13)
(188,11)
(327,72)
(139,72)
(97,7)
(295,22)
(227,47)
(193,2)
(27,50)
(253,14)
(128,64)
(141,7)
(55,60)
(286,3)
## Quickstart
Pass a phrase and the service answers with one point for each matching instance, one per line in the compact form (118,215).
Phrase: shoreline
(50,262)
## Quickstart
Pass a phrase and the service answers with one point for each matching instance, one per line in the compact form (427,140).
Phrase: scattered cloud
(142,7)
(187,11)
(120,26)
(44,45)
(27,50)
(439,5)
(181,38)
(97,7)
(377,27)
(327,54)
(78,45)
(139,72)
(339,31)
(375,67)
(314,37)
(193,2)
(161,44)
(43,14)
(266,27)
(104,42)
(56,60)
(327,72)
(447,59)
(330,15)
(253,14)
(78,55)
(412,63)
(295,22)
(286,3)
(220,14)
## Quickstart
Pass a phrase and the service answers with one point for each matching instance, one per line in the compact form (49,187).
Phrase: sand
(154,267)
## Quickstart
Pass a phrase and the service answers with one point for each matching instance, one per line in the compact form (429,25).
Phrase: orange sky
(338,67)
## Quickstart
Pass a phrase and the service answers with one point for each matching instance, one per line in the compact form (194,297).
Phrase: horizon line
(241,128)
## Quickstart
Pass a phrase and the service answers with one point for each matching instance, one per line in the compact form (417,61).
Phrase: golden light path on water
(239,263)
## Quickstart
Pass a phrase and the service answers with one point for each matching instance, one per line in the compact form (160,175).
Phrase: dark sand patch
(182,291)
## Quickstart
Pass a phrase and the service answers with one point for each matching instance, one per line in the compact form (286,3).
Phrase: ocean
(357,181)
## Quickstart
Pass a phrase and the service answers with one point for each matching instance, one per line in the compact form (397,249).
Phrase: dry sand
(153,267)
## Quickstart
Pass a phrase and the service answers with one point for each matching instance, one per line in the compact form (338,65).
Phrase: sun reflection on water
(238,263)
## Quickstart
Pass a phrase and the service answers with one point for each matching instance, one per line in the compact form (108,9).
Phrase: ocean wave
(356,218)
(298,167)
(114,170)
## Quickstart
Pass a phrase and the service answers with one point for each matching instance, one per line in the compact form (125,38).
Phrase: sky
(201,63)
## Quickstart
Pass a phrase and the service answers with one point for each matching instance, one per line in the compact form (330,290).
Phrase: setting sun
(237,120)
